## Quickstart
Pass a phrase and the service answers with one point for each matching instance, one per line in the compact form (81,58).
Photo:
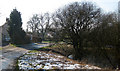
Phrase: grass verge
(1,48)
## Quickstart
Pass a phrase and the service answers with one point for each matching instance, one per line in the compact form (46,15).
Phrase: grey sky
(29,7)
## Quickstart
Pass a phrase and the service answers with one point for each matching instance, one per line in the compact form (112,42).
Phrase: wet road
(9,54)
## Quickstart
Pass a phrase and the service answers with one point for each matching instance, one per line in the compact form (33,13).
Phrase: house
(4,36)
(34,37)
(0,35)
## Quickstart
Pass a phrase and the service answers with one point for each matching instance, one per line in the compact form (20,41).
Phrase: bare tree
(39,24)
(76,21)
(32,24)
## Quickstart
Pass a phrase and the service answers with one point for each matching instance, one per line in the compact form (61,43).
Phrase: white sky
(30,7)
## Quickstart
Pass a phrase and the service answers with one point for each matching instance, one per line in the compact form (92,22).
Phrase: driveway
(9,54)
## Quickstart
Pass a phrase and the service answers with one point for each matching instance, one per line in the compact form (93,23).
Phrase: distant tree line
(39,25)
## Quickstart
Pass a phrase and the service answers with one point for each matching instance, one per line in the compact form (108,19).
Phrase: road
(9,54)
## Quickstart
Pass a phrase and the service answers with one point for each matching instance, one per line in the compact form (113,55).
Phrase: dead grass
(93,56)
(63,48)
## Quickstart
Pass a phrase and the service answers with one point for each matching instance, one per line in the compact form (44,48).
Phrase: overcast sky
(30,7)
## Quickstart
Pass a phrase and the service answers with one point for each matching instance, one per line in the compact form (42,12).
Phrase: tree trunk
(117,57)
(78,51)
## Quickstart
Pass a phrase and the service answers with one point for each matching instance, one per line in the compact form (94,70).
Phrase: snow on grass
(44,60)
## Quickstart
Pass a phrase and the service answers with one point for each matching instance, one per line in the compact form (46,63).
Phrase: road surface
(9,54)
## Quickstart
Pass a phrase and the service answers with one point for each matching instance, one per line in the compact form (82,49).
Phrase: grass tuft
(1,48)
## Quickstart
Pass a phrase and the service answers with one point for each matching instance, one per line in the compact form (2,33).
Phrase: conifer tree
(16,33)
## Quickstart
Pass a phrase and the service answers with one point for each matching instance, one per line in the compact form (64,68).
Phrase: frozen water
(38,66)
(70,56)
(43,60)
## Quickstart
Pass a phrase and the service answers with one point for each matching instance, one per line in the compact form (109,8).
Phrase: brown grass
(93,56)
(64,49)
